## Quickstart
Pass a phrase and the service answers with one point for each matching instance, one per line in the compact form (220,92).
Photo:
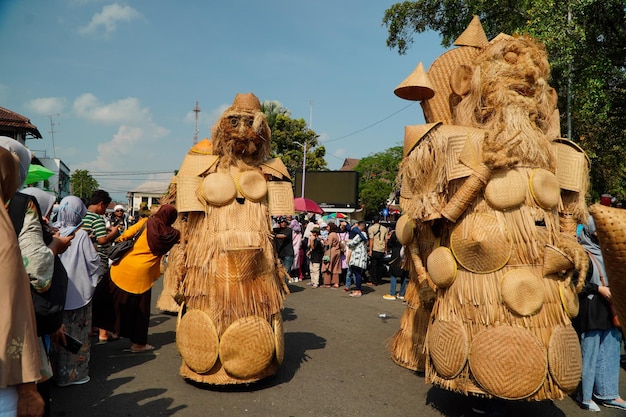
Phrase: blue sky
(119,80)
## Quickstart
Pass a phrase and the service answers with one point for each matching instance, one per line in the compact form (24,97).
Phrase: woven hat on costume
(480,244)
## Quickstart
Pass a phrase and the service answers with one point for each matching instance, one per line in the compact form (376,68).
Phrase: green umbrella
(37,173)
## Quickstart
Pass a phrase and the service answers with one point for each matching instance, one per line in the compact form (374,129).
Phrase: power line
(369,126)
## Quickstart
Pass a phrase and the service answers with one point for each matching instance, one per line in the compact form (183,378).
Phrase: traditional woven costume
(225,270)
(490,198)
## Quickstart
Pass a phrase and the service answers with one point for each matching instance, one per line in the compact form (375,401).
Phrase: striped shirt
(95,225)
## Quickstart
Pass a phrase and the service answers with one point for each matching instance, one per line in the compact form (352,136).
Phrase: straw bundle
(175,270)
(423,173)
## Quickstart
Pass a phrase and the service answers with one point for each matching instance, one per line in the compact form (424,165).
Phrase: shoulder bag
(117,251)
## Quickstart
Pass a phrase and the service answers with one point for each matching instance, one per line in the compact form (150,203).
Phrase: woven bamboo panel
(572,165)
(508,362)
(186,198)
(280,198)
(564,358)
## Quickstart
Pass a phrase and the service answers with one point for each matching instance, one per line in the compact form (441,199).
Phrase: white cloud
(127,110)
(128,144)
(46,105)
(108,19)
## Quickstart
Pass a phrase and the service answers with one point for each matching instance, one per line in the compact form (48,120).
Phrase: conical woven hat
(480,244)
(474,35)
(522,292)
(204,147)
(506,189)
(405,227)
(545,188)
(197,341)
(252,185)
(414,133)
(441,267)
(247,102)
(416,86)
(218,189)
(555,261)
(508,362)
(564,357)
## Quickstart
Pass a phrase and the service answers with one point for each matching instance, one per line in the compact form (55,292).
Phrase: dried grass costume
(225,270)
(489,196)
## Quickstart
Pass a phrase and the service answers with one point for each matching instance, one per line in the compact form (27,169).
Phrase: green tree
(83,184)
(585,41)
(377,177)
(290,136)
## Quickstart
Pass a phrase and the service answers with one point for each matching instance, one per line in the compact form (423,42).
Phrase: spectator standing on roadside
(95,225)
(331,270)
(377,234)
(20,368)
(344,237)
(283,244)
(358,257)
(395,268)
(119,219)
(82,264)
(315,253)
(298,253)
(600,339)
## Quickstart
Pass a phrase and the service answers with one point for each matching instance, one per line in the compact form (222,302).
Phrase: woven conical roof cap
(473,35)
(416,86)
(246,102)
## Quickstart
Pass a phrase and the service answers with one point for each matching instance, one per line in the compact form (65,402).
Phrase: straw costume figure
(489,194)
(225,272)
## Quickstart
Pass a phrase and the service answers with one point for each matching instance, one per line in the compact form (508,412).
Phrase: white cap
(118,207)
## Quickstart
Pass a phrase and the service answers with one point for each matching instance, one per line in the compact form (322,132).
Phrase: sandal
(146,348)
(356,294)
(335,285)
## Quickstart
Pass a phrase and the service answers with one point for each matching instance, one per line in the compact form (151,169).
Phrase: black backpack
(49,305)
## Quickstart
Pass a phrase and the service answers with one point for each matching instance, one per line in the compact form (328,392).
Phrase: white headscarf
(22,153)
(44,199)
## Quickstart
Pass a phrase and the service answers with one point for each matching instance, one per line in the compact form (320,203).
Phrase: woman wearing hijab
(600,340)
(82,263)
(296,240)
(131,279)
(20,368)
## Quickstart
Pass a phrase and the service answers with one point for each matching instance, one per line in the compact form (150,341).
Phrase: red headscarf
(161,235)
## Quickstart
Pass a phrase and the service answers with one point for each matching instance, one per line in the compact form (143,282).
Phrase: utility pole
(52,124)
(196,110)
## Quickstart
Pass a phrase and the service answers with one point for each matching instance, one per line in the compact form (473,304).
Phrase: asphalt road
(336,364)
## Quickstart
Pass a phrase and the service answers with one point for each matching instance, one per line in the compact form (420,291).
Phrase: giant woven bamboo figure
(490,194)
(230,327)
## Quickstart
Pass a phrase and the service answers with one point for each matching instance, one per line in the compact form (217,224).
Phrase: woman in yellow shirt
(130,286)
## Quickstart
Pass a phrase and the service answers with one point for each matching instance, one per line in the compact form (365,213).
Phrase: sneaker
(77,382)
(400,297)
(389,297)
(315,285)
(589,406)
(614,403)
